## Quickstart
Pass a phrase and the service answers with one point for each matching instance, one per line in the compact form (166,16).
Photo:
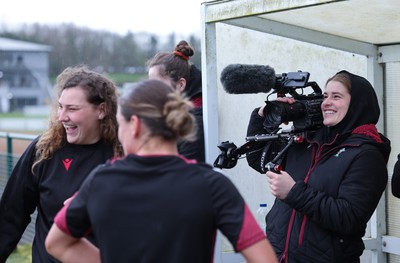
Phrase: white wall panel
(392,80)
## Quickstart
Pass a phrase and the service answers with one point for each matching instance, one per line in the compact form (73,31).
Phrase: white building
(317,36)
(24,74)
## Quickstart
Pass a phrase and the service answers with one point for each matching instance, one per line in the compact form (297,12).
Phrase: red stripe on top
(213,245)
(189,161)
(197,102)
(186,160)
(250,233)
(61,219)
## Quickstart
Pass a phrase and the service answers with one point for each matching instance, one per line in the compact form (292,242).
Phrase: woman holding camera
(331,183)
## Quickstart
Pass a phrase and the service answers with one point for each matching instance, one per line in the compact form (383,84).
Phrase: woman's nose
(326,101)
(62,115)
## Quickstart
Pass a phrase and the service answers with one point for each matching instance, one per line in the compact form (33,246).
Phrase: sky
(160,17)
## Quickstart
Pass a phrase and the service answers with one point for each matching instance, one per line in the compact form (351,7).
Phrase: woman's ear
(181,85)
(136,126)
(102,111)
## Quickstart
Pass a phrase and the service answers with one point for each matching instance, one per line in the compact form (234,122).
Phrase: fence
(11,147)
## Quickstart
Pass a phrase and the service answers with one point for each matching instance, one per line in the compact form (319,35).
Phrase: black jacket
(396,178)
(196,149)
(340,175)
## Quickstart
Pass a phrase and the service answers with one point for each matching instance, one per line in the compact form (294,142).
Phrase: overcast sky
(155,16)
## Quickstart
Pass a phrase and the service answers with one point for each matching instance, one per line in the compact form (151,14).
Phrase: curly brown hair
(99,89)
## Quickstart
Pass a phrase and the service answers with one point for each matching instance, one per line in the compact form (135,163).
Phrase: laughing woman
(82,134)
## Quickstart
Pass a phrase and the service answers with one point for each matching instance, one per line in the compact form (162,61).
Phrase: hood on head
(363,108)
(194,86)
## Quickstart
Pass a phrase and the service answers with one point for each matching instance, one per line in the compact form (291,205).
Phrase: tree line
(106,51)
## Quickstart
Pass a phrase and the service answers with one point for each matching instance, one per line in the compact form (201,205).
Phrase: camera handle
(230,153)
(273,165)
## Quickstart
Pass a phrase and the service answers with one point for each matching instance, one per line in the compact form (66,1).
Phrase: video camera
(305,114)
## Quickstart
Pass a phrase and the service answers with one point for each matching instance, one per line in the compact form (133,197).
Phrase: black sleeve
(17,203)
(396,178)
(196,149)
(260,153)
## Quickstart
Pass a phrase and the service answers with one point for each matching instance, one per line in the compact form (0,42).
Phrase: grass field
(19,115)
(23,254)
(121,78)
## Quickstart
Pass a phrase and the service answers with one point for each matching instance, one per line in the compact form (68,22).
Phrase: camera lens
(277,112)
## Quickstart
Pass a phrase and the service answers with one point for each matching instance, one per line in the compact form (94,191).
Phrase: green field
(23,254)
(19,115)
(121,78)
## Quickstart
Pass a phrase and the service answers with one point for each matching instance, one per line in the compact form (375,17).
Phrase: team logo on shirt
(67,162)
(339,152)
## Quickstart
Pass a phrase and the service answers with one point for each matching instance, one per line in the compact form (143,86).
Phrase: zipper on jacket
(303,226)
(316,156)
(285,257)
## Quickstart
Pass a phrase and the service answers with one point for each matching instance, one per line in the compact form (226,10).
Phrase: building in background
(24,75)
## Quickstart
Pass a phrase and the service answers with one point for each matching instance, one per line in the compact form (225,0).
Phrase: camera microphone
(241,79)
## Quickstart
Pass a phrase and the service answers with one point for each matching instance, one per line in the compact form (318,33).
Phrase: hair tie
(181,55)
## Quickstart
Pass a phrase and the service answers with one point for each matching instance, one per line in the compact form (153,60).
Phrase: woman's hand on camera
(280,184)
(261,111)
(289,100)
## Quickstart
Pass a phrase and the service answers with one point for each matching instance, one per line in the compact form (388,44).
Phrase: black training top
(54,181)
(159,209)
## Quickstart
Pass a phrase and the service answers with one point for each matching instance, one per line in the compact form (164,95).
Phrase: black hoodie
(193,90)
(340,174)
(363,108)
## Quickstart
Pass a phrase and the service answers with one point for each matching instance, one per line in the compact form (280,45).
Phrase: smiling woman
(82,134)
(331,182)
(79,117)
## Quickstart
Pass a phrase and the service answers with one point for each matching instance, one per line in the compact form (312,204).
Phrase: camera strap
(266,152)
